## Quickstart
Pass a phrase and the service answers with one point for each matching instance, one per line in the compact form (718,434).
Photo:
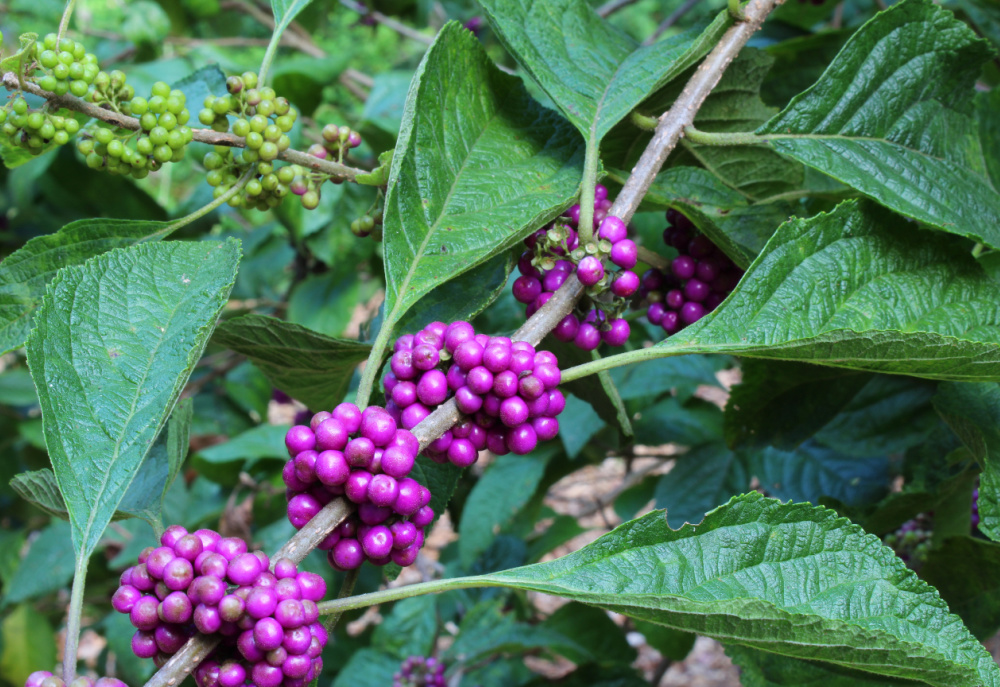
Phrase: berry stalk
(203,135)
(591,160)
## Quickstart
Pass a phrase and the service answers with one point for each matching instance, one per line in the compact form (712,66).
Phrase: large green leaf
(593,72)
(28,644)
(478,165)
(973,413)
(894,299)
(760,669)
(25,273)
(314,368)
(893,117)
(792,579)
(114,343)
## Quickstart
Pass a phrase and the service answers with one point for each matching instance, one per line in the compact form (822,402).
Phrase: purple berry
(567,328)
(692,312)
(189,546)
(244,569)
(590,271)
(625,254)
(696,290)
(377,542)
(408,500)
(178,574)
(349,416)
(456,334)
(383,490)
(423,517)
(143,646)
(331,435)
(700,247)
(625,284)
(289,615)
(230,547)
(522,440)
(414,415)
(683,267)
(612,229)
(671,322)
(546,428)
(526,289)
(514,411)
(360,451)
(587,338)
(175,608)
(268,634)
(332,468)
(207,619)
(462,453)
(266,675)
(356,488)
(298,439)
(505,384)
(302,508)
(618,334)
(125,598)
(377,426)
(432,389)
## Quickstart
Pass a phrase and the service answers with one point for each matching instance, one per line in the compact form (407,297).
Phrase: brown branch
(69,102)
(542,322)
(681,114)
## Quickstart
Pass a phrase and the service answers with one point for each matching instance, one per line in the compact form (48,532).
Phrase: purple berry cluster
(700,278)
(203,582)
(366,457)
(912,541)
(43,678)
(420,671)
(553,254)
(508,389)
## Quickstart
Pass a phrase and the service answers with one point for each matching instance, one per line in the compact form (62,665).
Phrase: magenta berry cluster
(44,678)
(337,140)
(553,254)
(420,671)
(508,389)
(203,582)
(366,457)
(700,278)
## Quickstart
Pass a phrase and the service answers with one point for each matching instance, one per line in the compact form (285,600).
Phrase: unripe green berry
(60,138)
(254,188)
(115,149)
(71,126)
(175,105)
(103,136)
(241,127)
(95,161)
(48,59)
(249,79)
(51,41)
(268,151)
(159,135)
(144,146)
(20,106)
(272,133)
(258,123)
(79,88)
(214,177)
(62,88)
(175,140)
(162,153)
(222,105)
(138,106)
(310,200)
(117,79)
(284,123)
(147,121)
(157,104)
(161,89)
(265,108)
(48,82)
(234,84)
(47,131)
(286,175)
(255,141)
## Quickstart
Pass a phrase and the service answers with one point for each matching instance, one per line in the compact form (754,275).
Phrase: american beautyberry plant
(683,319)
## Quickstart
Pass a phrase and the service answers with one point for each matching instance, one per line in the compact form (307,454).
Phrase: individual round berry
(625,254)
(349,416)
(462,452)
(587,338)
(347,554)
(590,270)
(377,542)
(244,569)
(618,334)
(299,438)
(692,312)
(683,267)
(696,290)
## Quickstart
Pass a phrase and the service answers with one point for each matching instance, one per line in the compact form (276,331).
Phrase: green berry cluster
(33,130)
(111,91)
(261,117)
(66,66)
(337,140)
(264,191)
(368,225)
(162,138)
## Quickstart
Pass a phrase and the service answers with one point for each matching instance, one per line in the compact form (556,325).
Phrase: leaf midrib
(118,442)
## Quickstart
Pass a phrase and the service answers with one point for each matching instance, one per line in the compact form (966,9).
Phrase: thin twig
(670,21)
(661,670)
(69,102)
(388,22)
(538,325)
(612,6)
(681,114)
(293,39)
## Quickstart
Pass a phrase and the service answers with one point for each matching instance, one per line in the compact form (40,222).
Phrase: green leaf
(964,569)
(895,300)
(368,667)
(760,669)
(306,365)
(39,488)
(673,644)
(29,644)
(410,629)
(593,72)
(988,112)
(792,579)
(50,554)
(595,637)
(782,404)
(145,494)
(380,175)
(486,630)
(985,16)
(724,215)
(506,486)
(699,481)
(25,273)
(669,421)
(652,378)
(578,424)
(973,413)
(223,462)
(284,12)
(114,342)
(17,389)
(478,165)
(811,472)
(917,152)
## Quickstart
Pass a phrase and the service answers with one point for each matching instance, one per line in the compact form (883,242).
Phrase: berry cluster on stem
(420,671)
(367,458)
(554,253)
(507,389)
(204,583)
(700,278)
